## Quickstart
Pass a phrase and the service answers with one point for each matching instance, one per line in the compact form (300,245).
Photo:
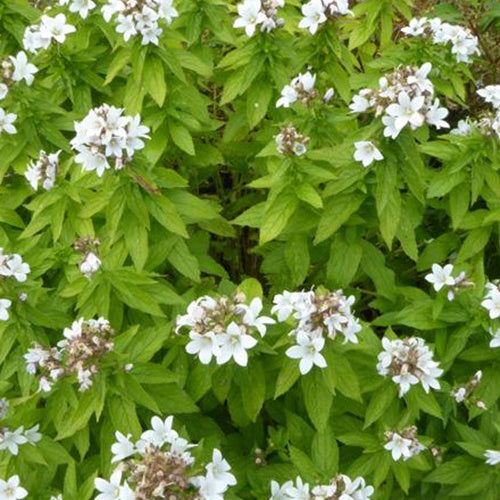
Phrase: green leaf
(325,452)
(304,464)
(379,403)
(337,212)
(288,375)
(181,137)
(276,215)
(307,193)
(123,415)
(252,383)
(154,79)
(318,407)
(297,257)
(402,474)
(345,257)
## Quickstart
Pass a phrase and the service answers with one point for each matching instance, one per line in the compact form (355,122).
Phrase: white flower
(419,78)
(32,435)
(300,491)
(126,26)
(357,489)
(209,488)
(4,90)
(463,128)
(84,378)
(359,104)
(399,447)
(280,492)
(441,276)
(44,385)
(33,39)
(161,432)
(314,15)
(11,440)
(219,469)
(305,81)
(366,152)
(90,265)
(416,27)
(390,130)
(34,357)
(204,345)
(492,457)
(23,70)
(308,350)
(82,7)
(495,341)
(492,302)
(491,94)
(166,11)
(406,111)
(250,16)
(113,489)
(288,96)
(6,122)
(11,490)
(18,268)
(459,395)
(56,27)
(234,344)
(122,448)
(251,317)
(435,115)
(4,309)
(284,305)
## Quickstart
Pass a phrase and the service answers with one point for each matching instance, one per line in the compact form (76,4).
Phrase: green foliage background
(210,205)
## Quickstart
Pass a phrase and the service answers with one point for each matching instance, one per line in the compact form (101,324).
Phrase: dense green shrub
(277,221)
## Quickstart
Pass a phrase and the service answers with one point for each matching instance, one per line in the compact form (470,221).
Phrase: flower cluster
(318,315)
(463,43)
(289,142)
(403,444)
(11,440)
(105,133)
(12,489)
(82,7)
(14,69)
(463,393)
(301,89)
(317,12)
(488,123)
(78,354)
(89,247)
(40,36)
(409,362)
(366,153)
(43,171)
(404,98)
(341,487)
(160,465)
(142,17)
(252,13)
(441,278)
(11,265)
(223,328)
